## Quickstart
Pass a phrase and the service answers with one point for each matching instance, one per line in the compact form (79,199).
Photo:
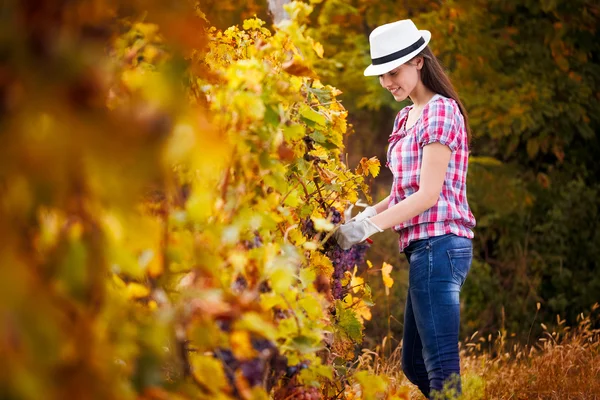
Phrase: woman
(428,155)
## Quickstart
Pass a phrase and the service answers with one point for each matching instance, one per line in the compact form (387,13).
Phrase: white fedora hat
(394,44)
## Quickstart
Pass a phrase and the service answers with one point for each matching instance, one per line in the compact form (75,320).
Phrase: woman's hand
(353,232)
(368,212)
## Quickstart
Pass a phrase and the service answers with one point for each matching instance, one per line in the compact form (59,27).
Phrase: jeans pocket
(460,263)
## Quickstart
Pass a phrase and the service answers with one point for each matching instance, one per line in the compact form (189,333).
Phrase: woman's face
(401,81)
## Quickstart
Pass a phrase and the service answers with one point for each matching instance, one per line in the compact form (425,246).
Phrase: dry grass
(564,363)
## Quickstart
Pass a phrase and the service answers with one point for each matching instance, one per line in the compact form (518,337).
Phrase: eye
(393,73)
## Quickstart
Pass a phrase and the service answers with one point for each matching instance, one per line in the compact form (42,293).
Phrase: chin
(399,98)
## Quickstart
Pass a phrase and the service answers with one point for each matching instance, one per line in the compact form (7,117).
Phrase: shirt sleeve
(440,124)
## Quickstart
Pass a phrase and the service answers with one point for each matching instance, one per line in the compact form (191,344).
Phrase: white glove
(355,232)
(366,213)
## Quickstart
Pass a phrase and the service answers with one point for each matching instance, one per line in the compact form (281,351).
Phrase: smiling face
(402,80)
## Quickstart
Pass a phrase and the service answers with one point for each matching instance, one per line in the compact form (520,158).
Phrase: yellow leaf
(321,224)
(374,166)
(113,227)
(238,260)
(357,282)
(322,263)
(119,282)
(208,370)
(310,245)
(346,279)
(313,308)
(254,322)
(370,264)
(296,237)
(253,23)
(250,104)
(368,166)
(269,300)
(387,280)
(363,312)
(156,266)
(241,345)
(137,291)
(318,47)
(320,152)
(181,142)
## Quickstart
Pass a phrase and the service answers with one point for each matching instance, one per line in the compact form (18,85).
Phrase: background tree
(527,73)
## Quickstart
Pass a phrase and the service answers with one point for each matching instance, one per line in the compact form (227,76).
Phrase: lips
(395,91)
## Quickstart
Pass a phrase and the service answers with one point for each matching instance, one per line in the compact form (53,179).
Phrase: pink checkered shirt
(441,121)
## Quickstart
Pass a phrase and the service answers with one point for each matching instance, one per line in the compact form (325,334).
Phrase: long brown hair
(434,77)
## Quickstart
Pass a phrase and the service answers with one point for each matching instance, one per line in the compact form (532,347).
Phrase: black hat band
(398,54)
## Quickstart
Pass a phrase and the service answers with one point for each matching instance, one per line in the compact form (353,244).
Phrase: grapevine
(167,204)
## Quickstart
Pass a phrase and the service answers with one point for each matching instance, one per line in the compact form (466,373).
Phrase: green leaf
(294,132)
(329,145)
(306,112)
(306,344)
(348,322)
(271,116)
(323,95)
(312,307)
(319,137)
(307,277)
(253,322)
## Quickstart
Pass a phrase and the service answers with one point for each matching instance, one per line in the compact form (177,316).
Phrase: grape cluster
(265,368)
(336,216)
(256,242)
(240,284)
(344,260)
(292,370)
(304,393)
(308,228)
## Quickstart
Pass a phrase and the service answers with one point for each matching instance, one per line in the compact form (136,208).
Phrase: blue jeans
(438,268)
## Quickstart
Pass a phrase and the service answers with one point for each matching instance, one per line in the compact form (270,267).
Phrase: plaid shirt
(441,121)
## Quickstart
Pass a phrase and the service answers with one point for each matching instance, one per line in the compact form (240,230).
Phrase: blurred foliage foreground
(168,190)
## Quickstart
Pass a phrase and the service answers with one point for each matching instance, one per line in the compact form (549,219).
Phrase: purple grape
(308,228)
(262,345)
(336,216)
(264,287)
(230,364)
(344,260)
(291,371)
(253,370)
(239,284)
(256,242)
(304,392)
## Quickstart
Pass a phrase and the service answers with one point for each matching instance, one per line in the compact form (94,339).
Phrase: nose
(385,81)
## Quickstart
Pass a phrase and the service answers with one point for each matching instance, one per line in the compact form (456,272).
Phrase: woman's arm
(382,205)
(436,158)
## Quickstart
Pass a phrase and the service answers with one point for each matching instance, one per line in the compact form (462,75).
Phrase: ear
(419,62)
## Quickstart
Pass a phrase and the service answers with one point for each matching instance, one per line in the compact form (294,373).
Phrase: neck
(421,95)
